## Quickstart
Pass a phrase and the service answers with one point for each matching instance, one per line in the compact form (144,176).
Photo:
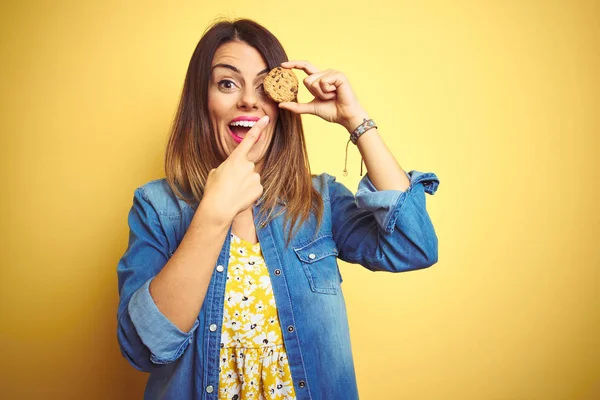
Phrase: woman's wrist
(210,213)
(355,120)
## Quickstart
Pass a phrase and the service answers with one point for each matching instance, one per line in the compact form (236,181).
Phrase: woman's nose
(248,99)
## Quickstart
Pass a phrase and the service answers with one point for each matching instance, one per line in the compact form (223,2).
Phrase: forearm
(179,289)
(384,170)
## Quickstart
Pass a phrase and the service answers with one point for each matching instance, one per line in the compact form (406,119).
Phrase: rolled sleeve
(146,337)
(165,341)
(387,205)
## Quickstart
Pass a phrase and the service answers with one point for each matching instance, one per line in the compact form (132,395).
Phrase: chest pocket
(319,260)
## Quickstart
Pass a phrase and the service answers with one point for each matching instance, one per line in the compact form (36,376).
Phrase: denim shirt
(380,230)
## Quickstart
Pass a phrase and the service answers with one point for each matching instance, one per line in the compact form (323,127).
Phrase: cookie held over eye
(281,85)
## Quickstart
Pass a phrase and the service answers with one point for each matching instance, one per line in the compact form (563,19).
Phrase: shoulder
(328,187)
(160,195)
(322,183)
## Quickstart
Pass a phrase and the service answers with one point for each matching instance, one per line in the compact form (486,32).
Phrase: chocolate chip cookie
(281,85)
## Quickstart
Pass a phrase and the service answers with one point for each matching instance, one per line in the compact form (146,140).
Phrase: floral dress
(253,362)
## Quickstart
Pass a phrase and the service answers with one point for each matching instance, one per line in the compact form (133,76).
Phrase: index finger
(300,64)
(251,137)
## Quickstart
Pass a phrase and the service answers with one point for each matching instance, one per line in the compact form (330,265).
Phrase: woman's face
(236,98)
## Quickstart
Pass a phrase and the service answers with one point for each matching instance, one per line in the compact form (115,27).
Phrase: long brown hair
(193,148)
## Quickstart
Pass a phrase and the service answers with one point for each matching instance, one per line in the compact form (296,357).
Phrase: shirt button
(209,389)
(277,272)
(220,268)
(290,329)
(212,327)
(312,256)
(301,384)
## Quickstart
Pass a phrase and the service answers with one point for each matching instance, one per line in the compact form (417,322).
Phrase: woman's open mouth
(239,129)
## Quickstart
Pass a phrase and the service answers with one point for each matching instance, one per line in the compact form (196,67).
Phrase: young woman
(230,287)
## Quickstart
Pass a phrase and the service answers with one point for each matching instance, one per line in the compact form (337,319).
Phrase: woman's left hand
(334,101)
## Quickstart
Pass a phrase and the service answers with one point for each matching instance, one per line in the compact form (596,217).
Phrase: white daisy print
(255,324)
(252,363)
(265,284)
(266,338)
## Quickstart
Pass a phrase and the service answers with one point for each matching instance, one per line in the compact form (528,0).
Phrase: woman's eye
(226,84)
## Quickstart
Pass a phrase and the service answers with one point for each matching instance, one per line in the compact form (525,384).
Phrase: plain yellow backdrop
(499,98)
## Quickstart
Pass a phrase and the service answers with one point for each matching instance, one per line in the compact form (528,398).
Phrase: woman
(230,287)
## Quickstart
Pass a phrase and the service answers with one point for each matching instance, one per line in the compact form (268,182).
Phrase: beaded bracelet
(362,128)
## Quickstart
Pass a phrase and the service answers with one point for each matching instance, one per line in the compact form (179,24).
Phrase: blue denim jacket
(381,230)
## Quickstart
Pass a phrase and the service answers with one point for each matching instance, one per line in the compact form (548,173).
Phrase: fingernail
(264,120)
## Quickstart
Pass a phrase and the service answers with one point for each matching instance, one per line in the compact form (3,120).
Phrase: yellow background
(500,99)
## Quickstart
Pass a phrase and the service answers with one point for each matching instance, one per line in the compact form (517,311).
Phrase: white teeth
(247,124)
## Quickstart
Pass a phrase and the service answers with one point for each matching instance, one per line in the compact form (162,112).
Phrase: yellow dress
(253,362)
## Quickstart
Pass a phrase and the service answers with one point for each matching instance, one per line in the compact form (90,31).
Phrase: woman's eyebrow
(234,69)
(231,67)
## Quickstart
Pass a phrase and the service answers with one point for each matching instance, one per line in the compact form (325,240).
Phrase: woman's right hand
(234,185)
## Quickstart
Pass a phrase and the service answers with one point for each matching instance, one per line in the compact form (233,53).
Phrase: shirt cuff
(165,341)
(386,205)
